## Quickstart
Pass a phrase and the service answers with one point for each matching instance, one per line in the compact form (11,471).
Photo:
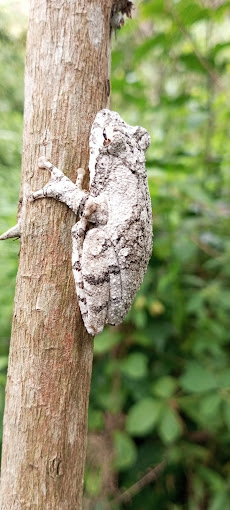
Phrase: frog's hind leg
(90,275)
(101,279)
(95,279)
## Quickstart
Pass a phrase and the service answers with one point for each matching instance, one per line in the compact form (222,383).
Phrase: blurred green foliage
(161,381)
(12,50)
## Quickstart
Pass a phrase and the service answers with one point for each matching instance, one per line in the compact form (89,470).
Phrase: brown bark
(45,421)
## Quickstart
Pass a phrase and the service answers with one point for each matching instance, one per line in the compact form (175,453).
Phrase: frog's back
(120,176)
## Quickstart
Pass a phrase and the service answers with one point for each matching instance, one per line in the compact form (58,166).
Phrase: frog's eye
(107,134)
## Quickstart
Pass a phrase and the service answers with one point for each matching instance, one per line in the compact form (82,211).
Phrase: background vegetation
(159,418)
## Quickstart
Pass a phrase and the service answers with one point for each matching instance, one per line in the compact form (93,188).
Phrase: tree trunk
(45,421)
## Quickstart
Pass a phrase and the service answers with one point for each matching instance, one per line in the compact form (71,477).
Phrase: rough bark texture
(45,422)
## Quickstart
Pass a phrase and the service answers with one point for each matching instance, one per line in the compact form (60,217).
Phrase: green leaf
(149,8)
(170,427)
(213,479)
(221,501)
(106,341)
(210,407)
(149,45)
(223,379)
(3,362)
(135,365)
(95,419)
(226,413)
(164,387)
(93,482)
(141,338)
(2,380)
(197,379)
(125,450)
(188,12)
(112,401)
(143,416)
(219,47)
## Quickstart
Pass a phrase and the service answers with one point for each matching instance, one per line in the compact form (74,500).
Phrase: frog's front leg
(61,188)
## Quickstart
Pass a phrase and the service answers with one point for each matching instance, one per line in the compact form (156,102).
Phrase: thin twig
(204,247)
(149,477)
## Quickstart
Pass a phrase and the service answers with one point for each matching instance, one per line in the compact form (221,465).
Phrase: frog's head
(111,133)
(109,125)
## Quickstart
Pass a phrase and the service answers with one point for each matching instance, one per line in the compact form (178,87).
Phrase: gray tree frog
(112,241)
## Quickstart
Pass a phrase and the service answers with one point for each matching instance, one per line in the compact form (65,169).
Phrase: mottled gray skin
(112,241)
